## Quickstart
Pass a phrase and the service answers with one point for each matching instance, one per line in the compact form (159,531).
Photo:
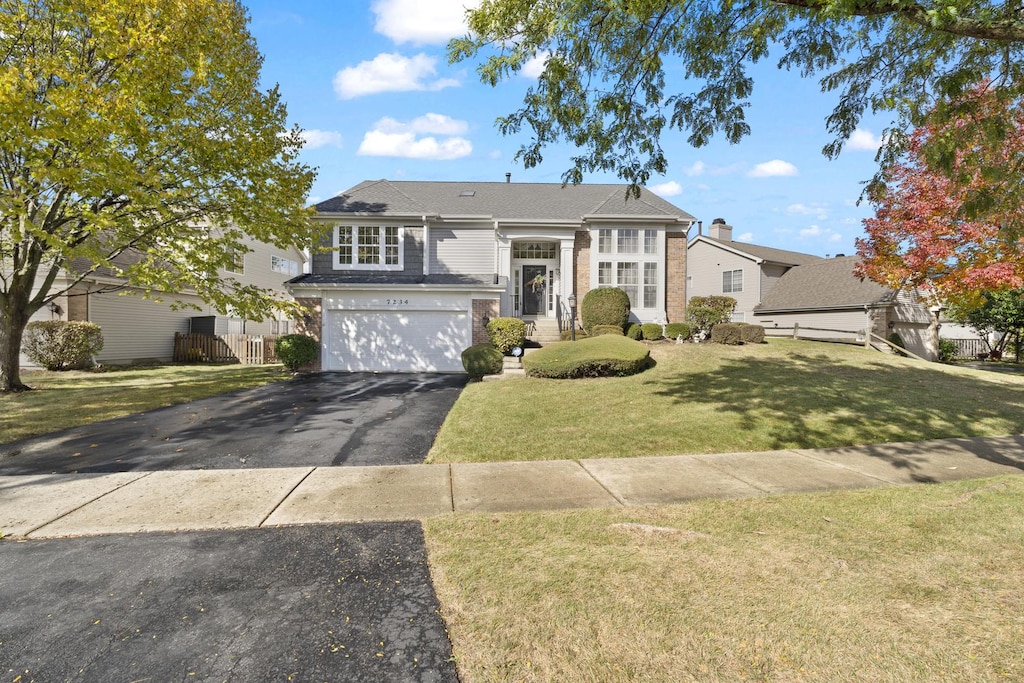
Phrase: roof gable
(828,283)
(758,253)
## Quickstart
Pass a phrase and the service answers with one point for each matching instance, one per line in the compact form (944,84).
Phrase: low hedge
(62,344)
(296,350)
(635,331)
(651,331)
(676,330)
(606,356)
(605,329)
(482,359)
(737,333)
(566,335)
(506,333)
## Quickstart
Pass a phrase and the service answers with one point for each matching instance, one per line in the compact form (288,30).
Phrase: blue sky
(370,84)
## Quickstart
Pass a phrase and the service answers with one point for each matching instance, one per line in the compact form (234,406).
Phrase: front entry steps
(543,331)
(510,367)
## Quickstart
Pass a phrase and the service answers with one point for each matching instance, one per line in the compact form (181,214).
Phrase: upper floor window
(237,262)
(732,281)
(280,264)
(368,247)
(629,260)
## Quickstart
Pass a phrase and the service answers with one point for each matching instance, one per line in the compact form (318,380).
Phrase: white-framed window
(629,258)
(739,317)
(237,264)
(732,281)
(280,264)
(368,247)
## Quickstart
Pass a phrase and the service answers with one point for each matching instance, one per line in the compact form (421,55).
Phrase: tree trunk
(13,320)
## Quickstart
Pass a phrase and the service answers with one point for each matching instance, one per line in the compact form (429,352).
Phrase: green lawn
(69,399)
(702,398)
(910,584)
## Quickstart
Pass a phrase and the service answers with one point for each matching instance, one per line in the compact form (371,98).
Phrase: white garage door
(396,341)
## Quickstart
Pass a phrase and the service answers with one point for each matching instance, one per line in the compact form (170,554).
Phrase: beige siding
(770,274)
(705,264)
(135,328)
(848,324)
(258,269)
(462,251)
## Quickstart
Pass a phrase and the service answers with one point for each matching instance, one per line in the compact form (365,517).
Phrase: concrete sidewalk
(42,506)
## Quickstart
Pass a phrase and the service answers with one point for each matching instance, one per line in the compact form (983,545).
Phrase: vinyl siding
(135,328)
(770,274)
(412,253)
(705,265)
(462,251)
(850,323)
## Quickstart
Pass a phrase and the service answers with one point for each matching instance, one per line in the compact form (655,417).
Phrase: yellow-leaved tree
(137,127)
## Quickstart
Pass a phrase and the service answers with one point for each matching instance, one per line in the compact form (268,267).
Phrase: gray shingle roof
(787,258)
(501,201)
(827,283)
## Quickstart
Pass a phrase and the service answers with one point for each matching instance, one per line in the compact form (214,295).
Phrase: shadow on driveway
(315,420)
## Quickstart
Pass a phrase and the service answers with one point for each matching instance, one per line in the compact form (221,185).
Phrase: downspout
(426,246)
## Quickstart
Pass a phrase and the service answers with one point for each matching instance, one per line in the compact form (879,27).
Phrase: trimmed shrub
(566,335)
(635,331)
(506,333)
(752,334)
(947,350)
(296,350)
(605,329)
(704,312)
(675,330)
(651,331)
(482,359)
(604,306)
(609,355)
(727,333)
(62,344)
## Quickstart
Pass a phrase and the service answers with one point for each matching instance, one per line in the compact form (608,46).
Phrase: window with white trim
(280,264)
(732,281)
(628,259)
(368,247)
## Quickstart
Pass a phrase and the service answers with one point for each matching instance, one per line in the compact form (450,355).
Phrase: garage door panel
(397,341)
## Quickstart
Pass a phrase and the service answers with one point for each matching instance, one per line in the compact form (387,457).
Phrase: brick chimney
(720,231)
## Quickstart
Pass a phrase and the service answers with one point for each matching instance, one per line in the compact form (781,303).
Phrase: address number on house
(396,302)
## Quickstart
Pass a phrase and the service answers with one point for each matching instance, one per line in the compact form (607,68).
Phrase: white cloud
(746,237)
(390,72)
(419,22)
(812,231)
(817,232)
(321,138)
(695,169)
(772,169)
(392,138)
(534,67)
(865,140)
(669,189)
(819,211)
(835,237)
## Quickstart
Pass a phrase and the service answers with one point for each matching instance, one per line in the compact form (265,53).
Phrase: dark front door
(535,290)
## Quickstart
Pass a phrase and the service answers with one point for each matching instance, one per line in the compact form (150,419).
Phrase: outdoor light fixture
(485,320)
(572,316)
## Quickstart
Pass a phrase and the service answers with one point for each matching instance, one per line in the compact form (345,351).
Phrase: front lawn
(68,399)
(704,398)
(920,583)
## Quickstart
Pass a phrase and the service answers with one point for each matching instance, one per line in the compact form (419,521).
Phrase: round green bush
(752,334)
(635,331)
(296,350)
(566,335)
(651,331)
(606,356)
(506,333)
(62,344)
(676,330)
(604,306)
(948,350)
(605,329)
(482,359)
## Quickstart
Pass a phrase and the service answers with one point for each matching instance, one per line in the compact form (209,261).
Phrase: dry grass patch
(68,399)
(901,584)
(710,398)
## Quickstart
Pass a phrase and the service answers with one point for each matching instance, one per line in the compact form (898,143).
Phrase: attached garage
(396,332)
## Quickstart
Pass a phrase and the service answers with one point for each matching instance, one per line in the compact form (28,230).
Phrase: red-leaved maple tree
(953,226)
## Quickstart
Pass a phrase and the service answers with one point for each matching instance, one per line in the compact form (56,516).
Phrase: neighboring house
(746,272)
(136,329)
(828,301)
(410,272)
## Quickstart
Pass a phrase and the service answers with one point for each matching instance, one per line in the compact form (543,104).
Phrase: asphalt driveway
(319,603)
(315,420)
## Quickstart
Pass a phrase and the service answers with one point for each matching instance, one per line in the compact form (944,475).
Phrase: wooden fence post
(796,330)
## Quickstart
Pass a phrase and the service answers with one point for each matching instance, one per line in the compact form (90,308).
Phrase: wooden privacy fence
(247,349)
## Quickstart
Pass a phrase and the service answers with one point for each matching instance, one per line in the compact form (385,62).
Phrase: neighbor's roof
(498,201)
(787,258)
(827,283)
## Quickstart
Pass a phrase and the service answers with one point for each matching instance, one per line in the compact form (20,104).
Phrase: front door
(535,290)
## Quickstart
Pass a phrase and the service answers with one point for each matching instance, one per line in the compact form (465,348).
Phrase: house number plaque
(397,302)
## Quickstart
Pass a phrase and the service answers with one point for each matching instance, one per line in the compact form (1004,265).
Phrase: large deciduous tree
(604,86)
(137,127)
(956,228)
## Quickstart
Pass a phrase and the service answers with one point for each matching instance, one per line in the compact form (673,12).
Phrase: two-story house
(409,273)
(746,272)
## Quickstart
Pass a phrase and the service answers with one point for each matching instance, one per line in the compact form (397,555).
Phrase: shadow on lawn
(807,401)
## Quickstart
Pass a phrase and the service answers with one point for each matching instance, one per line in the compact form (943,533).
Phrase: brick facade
(675,276)
(483,308)
(312,324)
(581,257)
